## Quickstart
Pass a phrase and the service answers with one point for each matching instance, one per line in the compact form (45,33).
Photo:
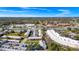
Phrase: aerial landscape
(39,29)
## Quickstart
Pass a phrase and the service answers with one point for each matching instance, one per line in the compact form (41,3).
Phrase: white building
(62,40)
(42,44)
(27,33)
(14,40)
(32,38)
(1,29)
(36,35)
(14,37)
(28,25)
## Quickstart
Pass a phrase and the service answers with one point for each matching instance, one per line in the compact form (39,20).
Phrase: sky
(39,11)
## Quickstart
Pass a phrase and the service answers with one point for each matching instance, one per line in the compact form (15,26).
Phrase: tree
(76,37)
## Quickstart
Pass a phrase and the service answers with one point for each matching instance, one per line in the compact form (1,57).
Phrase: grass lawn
(12,34)
(22,34)
(24,40)
(15,34)
(3,39)
(32,41)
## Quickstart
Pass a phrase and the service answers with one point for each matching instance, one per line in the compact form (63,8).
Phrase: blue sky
(39,11)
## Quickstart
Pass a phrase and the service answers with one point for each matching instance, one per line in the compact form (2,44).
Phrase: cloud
(36,8)
(63,12)
(13,11)
(18,15)
(25,12)
(14,15)
(25,9)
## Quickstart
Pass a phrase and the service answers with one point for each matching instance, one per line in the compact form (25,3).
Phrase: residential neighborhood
(18,37)
(40,35)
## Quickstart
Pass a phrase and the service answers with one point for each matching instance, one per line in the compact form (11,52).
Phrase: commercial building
(62,40)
